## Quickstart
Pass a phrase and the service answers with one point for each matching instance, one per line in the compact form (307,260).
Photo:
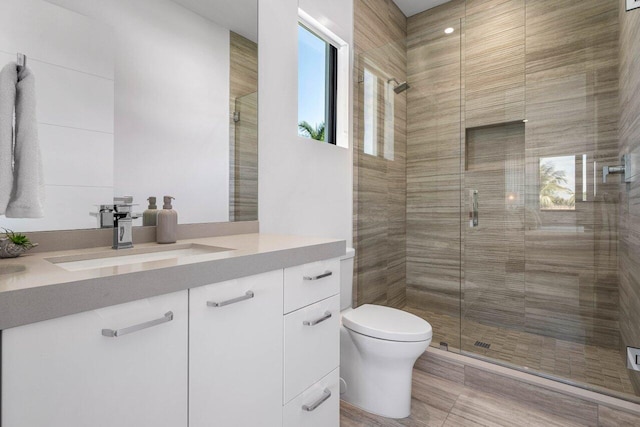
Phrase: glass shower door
(539,251)
(434,105)
(539,271)
(493,249)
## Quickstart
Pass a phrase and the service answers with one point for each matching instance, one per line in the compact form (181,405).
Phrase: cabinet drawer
(317,406)
(311,345)
(309,283)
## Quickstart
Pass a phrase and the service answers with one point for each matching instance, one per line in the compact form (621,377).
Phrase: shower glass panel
(434,179)
(380,174)
(539,287)
(540,281)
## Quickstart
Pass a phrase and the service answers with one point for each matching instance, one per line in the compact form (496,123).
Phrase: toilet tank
(346,279)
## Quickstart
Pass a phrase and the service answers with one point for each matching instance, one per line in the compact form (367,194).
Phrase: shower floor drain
(482,344)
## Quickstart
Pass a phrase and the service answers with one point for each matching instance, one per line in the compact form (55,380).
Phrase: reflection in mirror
(243,134)
(144,98)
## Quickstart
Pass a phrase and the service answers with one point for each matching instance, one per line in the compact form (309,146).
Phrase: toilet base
(378,373)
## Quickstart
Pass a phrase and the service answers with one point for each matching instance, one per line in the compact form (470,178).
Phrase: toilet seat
(387,323)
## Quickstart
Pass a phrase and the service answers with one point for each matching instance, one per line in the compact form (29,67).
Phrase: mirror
(141,98)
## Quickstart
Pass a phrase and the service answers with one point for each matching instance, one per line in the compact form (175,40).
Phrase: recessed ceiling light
(525,121)
(448,30)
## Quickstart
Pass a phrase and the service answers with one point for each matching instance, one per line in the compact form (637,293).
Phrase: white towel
(8,82)
(28,182)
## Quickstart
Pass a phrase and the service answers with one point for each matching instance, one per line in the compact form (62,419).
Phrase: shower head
(400,87)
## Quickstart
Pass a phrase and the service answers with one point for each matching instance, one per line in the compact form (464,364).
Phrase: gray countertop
(43,290)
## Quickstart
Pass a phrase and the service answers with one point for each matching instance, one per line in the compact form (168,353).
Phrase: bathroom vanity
(245,335)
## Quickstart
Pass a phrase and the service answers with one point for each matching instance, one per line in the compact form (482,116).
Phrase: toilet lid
(387,323)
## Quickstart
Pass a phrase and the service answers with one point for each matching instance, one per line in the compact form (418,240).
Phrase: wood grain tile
(572,409)
(380,196)
(494,252)
(629,142)
(608,417)
(243,146)
(487,401)
(475,408)
(433,161)
(494,62)
(436,366)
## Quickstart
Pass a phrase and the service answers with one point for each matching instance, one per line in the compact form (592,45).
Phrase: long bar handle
(325,396)
(327,316)
(473,211)
(114,333)
(319,276)
(246,296)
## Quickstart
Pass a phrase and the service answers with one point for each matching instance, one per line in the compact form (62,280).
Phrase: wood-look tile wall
(494,254)
(553,62)
(494,61)
(243,134)
(379,183)
(572,108)
(434,157)
(630,194)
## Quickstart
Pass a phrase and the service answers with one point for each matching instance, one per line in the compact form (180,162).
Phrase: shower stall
(479,195)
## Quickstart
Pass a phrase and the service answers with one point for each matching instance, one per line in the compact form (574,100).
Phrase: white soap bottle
(167,228)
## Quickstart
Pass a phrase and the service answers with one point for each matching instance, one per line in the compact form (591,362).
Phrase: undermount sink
(114,258)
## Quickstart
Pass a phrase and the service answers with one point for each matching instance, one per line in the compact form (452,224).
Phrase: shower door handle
(473,208)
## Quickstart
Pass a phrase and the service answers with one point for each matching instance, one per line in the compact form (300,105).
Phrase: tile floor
(449,403)
(439,402)
(580,363)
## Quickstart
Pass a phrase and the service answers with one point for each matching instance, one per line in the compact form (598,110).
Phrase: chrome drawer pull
(327,315)
(114,333)
(246,296)
(319,276)
(325,396)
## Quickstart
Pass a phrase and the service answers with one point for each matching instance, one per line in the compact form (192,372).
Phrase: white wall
(72,59)
(305,186)
(171,104)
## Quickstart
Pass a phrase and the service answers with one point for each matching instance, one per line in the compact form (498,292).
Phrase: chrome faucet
(122,222)
(118,216)
(104,215)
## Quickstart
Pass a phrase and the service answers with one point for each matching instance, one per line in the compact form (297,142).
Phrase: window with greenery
(558,183)
(317,86)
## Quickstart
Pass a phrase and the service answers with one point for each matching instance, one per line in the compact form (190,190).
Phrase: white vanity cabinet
(256,351)
(312,345)
(124,366)
(235,352)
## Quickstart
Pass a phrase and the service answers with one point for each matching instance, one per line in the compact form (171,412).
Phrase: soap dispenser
(150,216)
(167,228)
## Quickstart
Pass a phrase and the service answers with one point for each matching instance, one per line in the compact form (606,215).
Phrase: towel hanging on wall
(8,81)
(21,176)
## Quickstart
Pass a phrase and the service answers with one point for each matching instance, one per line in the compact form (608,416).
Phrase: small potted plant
(14,244)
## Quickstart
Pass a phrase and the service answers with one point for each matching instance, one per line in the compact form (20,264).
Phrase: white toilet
(378,348)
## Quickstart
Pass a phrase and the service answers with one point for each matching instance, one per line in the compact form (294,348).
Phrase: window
(372,84)
(317,87)
(558,183)
(370,113)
